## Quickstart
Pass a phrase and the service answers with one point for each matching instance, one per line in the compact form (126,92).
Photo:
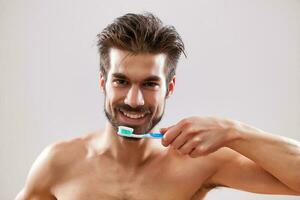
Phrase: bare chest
(164,180)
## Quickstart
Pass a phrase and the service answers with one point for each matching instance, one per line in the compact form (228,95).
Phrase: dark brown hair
(140,33)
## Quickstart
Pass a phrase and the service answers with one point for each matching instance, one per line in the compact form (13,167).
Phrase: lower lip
(131,121)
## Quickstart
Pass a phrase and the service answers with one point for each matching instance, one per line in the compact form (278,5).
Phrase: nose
(134,97)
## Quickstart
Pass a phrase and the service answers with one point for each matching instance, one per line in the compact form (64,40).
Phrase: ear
(101,81)
(171,86)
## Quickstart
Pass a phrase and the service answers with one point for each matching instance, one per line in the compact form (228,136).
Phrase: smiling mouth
(133,115)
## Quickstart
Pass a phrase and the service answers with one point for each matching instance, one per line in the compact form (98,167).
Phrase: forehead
(137,66)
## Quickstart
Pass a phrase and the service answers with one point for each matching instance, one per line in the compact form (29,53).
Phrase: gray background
(243,63)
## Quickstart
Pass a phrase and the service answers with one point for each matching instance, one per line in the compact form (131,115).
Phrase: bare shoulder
(51,164)
(64,153)
(57,156)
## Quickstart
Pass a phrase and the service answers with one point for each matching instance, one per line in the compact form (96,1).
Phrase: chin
(131,139)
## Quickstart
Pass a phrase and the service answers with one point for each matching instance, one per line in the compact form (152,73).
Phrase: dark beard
(137,130)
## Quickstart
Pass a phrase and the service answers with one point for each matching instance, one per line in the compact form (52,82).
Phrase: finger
(178,141)
(200,150)
(163,130)
(170,135)
(190,145)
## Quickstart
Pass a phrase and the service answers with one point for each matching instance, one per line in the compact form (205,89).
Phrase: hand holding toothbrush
(198,136)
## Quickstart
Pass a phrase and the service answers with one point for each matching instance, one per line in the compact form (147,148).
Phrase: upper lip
(133,112)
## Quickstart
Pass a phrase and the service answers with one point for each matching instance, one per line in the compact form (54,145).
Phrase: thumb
(164,130)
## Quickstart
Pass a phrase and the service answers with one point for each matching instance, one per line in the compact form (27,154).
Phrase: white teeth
(133,116)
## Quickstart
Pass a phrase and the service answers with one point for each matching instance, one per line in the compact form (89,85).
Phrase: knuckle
(186,121)
(190,130)
(202,149)
(194,143)
(196,140)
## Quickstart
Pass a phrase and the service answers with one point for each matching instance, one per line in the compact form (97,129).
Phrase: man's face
(135,90)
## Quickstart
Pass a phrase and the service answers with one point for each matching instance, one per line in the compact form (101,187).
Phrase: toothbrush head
(127,132)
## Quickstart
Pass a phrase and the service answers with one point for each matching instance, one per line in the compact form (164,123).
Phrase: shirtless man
(138,57)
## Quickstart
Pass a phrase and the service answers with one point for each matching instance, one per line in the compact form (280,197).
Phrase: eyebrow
(149,78)
(153,78)
(119,75)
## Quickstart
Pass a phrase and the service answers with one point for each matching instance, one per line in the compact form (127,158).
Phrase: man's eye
(120,82)
(151,84)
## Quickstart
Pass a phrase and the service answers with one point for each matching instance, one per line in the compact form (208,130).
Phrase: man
(138,57)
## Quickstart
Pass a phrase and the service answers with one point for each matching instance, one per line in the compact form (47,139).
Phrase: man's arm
(40,177)
(256,161)
(265,163)
(239,172)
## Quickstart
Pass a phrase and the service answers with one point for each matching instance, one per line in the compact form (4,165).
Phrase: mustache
(128,108)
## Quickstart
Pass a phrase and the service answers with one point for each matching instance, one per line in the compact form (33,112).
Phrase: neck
(127,151)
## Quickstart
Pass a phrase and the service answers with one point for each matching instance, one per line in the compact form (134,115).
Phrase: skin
(196,154)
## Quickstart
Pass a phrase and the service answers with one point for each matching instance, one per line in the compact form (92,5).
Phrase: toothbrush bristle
(123,130)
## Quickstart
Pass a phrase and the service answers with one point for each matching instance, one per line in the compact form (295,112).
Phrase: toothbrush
(128,132)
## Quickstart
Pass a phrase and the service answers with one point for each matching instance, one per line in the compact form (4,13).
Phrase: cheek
(112,94)
(157,102)
(110,97)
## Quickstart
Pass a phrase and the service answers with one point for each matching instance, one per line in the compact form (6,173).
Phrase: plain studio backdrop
(243,63)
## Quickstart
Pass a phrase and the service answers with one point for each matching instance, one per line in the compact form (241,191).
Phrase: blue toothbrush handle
(156,135)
